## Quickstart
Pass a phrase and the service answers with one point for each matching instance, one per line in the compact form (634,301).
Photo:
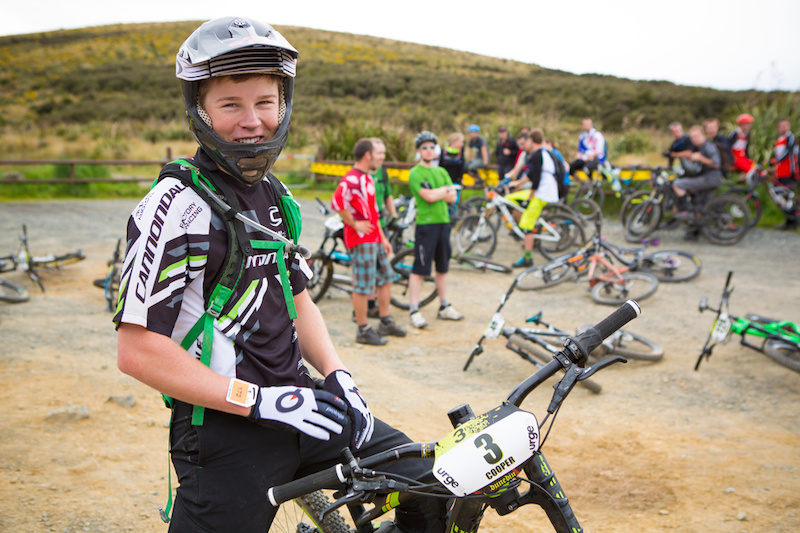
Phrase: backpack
(560,174)
(725,156)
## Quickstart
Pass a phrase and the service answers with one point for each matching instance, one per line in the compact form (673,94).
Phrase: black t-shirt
(177,246)
(507,160)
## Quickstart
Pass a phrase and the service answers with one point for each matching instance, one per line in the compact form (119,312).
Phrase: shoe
(368,336)
(691,235)
(522,262)
(391,329)
(787,226)
(372,312)
(418,321)
(449,313)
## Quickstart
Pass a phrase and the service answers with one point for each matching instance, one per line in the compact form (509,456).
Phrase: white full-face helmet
(228,46)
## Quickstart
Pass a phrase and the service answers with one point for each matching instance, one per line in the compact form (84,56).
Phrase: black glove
(340,383)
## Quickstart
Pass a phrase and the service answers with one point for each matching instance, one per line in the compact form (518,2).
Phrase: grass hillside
(111,92)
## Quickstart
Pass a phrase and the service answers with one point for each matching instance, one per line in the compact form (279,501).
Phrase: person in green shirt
(433,190)
(383,189)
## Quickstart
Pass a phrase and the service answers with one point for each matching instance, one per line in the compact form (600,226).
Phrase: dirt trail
(662,448)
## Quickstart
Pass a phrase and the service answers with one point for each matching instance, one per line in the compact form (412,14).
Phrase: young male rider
(785,162)
(591,149)
(432,191)
(544,189)
(369,248)
(739,141)
(259,419)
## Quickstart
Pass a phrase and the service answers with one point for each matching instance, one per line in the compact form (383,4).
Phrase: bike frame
(543,229)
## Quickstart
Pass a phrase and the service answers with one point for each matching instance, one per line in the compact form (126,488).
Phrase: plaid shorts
(371,267)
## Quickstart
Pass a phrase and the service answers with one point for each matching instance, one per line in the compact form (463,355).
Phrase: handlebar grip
(329,478)
(594,337)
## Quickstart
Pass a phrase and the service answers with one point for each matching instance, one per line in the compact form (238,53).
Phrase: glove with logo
(316,413)
(340,383)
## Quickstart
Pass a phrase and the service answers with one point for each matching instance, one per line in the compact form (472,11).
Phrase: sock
(362,329)
(370,304)
(528,254)
(443,304)
(413,309)
(386,320)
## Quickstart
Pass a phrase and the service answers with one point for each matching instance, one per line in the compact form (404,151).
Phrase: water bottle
(615,184)
(336,255)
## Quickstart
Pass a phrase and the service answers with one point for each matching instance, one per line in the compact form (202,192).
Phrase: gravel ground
(662,448)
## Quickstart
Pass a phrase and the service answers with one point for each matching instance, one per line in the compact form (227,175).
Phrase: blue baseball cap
(473,127)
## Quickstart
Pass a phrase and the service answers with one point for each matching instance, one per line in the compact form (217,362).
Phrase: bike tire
(643,220)
(637,286)
(402,264)
(475,235)
(13,293)
(571,236)
(725,219)
(634,346)
(544,276)
(534,350)
(589,190)
(308,507)
(321,275)
(481,263)
(630,203)
(56,261)
(586,209)
(672,266)
(784,353)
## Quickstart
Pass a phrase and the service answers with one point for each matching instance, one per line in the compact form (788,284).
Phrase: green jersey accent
(429,178)
(383,190)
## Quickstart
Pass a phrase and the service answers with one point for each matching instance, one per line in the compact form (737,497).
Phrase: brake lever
(363,491)
(596,367)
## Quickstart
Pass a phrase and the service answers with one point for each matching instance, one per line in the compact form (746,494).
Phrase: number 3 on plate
(495,453)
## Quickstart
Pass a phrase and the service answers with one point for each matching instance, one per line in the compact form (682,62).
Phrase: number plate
(488,452)
(495,326)
(721,327)
(334,223)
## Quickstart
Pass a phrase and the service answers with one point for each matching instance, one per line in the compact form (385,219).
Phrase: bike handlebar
(327,478)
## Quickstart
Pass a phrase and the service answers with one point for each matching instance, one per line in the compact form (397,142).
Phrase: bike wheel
(474,235)
(544,276)
(402,264)
(636,286)
(754,206)
(13,293)
(589,190)
(544,356)
(725,219)
(633,346)
(321,275)
(672,265)
(630,203)
(307,507)
(586,209)
(559,234)
(642,221)
(783,353)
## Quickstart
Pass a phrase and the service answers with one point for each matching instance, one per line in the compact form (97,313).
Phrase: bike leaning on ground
(777,339)
(492,460)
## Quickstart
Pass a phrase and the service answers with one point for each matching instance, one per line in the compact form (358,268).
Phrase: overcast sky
(733,44)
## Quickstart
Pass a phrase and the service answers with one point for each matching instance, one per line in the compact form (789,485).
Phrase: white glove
(340,383)
(316,413)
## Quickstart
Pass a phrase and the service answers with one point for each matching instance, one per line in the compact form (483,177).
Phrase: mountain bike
(779,339)
(27,262)
(556,229)
(784,198)
(331,252)
(670,266)
(110,283)
(608,283)
(722,219)
(492,460)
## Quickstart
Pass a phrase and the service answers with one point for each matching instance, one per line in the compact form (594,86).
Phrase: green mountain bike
(777,339)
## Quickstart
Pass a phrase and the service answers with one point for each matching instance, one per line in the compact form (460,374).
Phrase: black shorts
(226,466)
(431,243)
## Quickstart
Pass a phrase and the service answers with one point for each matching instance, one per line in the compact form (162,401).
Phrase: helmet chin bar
(252,169)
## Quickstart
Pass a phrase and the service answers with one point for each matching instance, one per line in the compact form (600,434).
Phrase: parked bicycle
(110,283)
(778,339)
(557,230)
(493,460)
(332,252)
(30,264)
(784,198)
(593,264)
(721,218)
